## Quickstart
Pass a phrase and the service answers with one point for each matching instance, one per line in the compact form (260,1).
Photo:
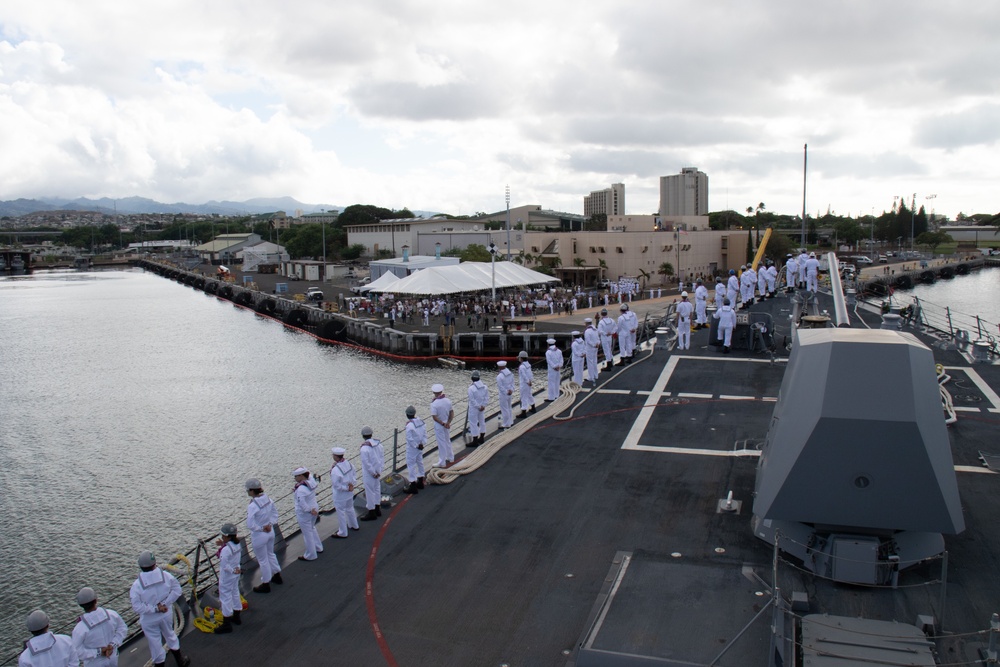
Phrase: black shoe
(482,438)
(223,629)
(263,588)
(420,482)
(236,617)
(522,415)
(182,660)
(725,350)
(532,410)
(370,515)
(378,510)
(276,578)
(411,488)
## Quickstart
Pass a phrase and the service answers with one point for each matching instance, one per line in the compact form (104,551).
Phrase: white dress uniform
(95,630)
(440,409)
(727,320)
(505,392)
(342,479)
(372,460)
(732,288)
(554,361)
(525,377)
(748,282)
(306,511)
(701,304)
(812,273)
(229,579)
(51,650)
(150,589)
(801,260)
(262,513)
(720,292)
(607,328)
(791,271)
(627,325)
(684,309)
(771,272)
(479,398)
(762,281)
(592,343)
(579,351)
(416,435)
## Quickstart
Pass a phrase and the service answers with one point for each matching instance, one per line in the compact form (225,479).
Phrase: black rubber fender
(297,317)
(266,306)
(211,287)
(226,292)
(244,299)
(927,277)
(199,283)
(962,269)
(947,272)
(903,282)
(332,330)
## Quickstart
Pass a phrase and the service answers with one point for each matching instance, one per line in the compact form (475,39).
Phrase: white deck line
(642,419)
(739,453)
(978,380)
(728,397)
(686,394)
(616,391)
(974,469)
(967,410)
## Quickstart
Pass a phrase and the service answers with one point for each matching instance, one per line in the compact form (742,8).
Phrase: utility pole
(805,164)
(507,197)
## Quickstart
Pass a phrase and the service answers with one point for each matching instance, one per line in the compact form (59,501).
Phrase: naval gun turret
(856,478)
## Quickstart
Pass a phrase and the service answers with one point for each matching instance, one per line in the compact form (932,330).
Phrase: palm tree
(645,276)
(603,266)
(666,269)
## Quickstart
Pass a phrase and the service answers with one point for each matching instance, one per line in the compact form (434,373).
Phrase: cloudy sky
(440,105)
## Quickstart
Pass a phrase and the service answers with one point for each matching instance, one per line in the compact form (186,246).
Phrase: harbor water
(132,410)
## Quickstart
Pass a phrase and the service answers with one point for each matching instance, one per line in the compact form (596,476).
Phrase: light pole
(913,218)
(507,198)
(322,224)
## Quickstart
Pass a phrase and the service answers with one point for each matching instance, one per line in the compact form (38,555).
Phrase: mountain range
(134,205)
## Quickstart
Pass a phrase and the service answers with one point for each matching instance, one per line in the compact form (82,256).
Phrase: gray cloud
(404,100)
(979,125)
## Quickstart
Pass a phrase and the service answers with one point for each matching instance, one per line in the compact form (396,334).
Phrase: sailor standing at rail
(607,328)
(152,595)
(416,438)
(46,649)
(578,352)
(762,281)
(771,274)
(701,304)
(812,273)
(442,413)
(342,479)
(505,394)
(727,320)
(98,633)
(372,460)
(262,516)
(791,271)
(720,292)
(525,377)
(592,342)
(732,286)
(479,398)
(307,512)
(554,362)
(684,309)
(628,324)
(801,261)
(229,579)
(748,281)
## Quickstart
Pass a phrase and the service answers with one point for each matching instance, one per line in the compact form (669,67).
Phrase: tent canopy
(468,277)
(381,284)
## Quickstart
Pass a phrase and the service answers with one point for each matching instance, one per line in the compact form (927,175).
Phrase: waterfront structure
(389,236)
(428,243)
(407,264)
(223,248)
(585,258)
(610,201)
(685,193)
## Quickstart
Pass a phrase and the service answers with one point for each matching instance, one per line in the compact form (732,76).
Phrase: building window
(645,248)
(593,249)
(667,248)
(601,249)
(619,250)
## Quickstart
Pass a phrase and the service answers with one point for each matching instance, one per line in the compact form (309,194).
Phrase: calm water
(132,409)
(974,294)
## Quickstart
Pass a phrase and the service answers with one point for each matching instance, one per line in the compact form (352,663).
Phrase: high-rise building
(610,201)
(684,194)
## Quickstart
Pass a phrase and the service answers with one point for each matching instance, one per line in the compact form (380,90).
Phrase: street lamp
(507,198)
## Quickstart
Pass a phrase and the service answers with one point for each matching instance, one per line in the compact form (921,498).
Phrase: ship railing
(951,324)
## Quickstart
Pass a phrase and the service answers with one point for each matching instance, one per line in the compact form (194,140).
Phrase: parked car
(882,259)
(314,294)
(862,259)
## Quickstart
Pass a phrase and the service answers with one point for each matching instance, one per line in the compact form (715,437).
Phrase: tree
(644,275)
(598,222)
(353,251)
(476,252)
(603,266)
(934,239)
(666,270)
(750,252)
(848,231)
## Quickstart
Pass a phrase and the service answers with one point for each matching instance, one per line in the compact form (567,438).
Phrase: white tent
(468,277)
(381,284)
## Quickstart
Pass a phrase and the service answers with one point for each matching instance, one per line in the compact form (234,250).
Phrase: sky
(440,106)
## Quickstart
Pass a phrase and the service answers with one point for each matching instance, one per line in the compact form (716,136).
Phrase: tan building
(639,223)
(585,258)
(533,215)
(685,193)
(392,235)
(610,201)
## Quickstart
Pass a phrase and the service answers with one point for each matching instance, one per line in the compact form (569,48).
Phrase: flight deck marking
(980,383)
(383,645)
(685,394)
(616,391)
(727,397)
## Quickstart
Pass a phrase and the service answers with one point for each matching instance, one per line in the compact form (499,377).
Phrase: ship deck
(522,561)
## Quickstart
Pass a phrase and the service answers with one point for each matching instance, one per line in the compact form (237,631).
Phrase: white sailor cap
(437,388)
(501,364)
(338,451)
(85,596)
(574,333)
(299,471)
(588,320)
(684,294)
(550,341)
(37,621)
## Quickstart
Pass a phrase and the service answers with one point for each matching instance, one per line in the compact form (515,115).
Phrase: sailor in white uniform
(791,271)
(229,579)
(700,304)
(801,261)
(771,273)
(307,512)
(720,292)
(505,394)
(727,320)
(416,438)
(98,633)
(342,480)
(372,460)
(592,343)
(46,649)
(479,398)
(525,378)
(578,350)
(554,363)
(762,281)
(628,324)
(748,282)
(812,273)
(152,595)
(607,328)
(684,309)
(442,413)
(262,516)
(732,286)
